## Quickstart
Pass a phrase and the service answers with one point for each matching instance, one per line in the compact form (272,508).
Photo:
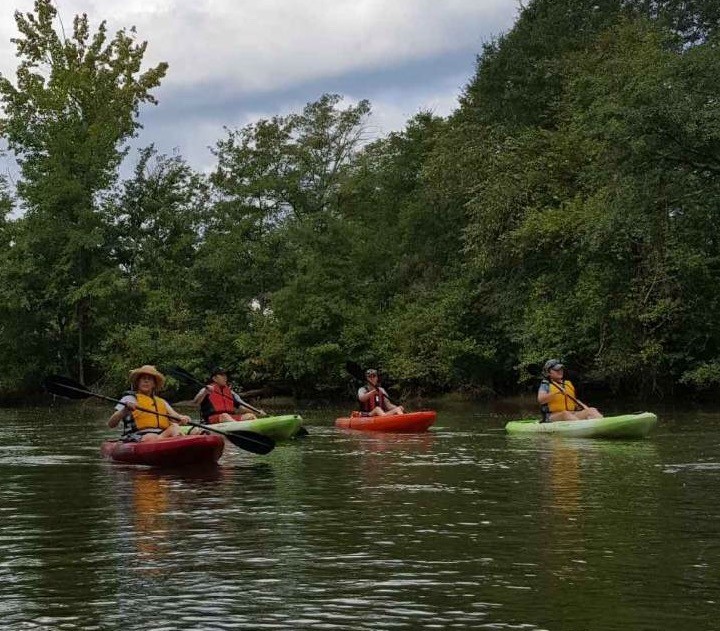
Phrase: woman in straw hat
(139,425)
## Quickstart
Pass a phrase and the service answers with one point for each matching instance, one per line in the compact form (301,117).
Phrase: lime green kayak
(275,427)
(625,426)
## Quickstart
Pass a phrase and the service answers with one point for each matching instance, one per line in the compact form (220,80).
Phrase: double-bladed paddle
(71,389)
(355,370)
(187,377)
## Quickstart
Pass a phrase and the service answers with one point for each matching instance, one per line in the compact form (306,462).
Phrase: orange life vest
(150,420)
(560,402)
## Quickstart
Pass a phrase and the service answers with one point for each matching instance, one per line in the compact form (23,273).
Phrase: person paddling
(139,425)
(219,404)
(374,399)
(556,396)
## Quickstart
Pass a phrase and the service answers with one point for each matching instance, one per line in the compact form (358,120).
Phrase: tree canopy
(568,207)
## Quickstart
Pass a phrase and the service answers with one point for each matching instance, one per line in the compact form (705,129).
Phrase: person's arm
(116,417)
(544,395)
(241,406)
(200,396)
(389,405)
(127,404)
(181,418)
(365,394)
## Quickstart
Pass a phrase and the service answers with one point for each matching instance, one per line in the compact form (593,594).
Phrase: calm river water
(460,528)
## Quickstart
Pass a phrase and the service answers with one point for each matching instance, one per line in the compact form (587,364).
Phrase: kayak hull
(275,427)
(410,422)
(166,452)
(625,426)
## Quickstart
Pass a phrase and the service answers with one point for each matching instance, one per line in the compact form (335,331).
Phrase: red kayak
(167,452)
(410,422)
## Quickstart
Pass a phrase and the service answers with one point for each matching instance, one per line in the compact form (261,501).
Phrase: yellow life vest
(150,420)
(560,402)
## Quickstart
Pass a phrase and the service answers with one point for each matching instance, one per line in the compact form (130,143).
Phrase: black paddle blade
(183,375)
(250,441)
(66,387)
(355,370)
(301,433)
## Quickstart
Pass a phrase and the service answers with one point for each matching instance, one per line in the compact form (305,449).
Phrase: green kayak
(625,426)
(275,427)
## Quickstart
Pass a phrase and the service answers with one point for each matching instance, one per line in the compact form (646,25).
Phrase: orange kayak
(410,422)
(167,452)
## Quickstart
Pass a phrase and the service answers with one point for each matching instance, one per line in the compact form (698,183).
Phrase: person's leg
(196,431)
(588,413)
(149,436)
(171,431)
(398,409)
(565,415)
(377,412)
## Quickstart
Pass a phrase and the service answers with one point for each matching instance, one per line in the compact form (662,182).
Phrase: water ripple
(460,528)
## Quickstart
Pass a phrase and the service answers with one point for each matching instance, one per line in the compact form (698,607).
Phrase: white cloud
(263,45)
(234,61)
(391,109)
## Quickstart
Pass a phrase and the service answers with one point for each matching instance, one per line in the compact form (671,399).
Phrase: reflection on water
(152,498)
(563,480)
(150,503)
(463,528)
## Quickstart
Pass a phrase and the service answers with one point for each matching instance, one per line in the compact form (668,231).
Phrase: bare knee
(563,416)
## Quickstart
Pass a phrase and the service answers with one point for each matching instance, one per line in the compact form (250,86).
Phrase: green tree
(595,236)
(74,103)
(274,235)
(155,223)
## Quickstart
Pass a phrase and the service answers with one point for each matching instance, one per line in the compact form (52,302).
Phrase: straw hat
(147,369)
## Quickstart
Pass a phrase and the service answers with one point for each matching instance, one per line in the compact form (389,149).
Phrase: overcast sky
(235,61)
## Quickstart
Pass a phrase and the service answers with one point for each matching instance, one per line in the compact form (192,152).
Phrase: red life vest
(218,401)
(375,401)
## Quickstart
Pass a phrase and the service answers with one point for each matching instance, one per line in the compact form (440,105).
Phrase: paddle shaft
(102,396)
(569,396)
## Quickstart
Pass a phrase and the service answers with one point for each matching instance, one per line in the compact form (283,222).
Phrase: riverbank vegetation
(569,207)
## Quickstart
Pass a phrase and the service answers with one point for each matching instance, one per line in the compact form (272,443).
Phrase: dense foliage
(570,207)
